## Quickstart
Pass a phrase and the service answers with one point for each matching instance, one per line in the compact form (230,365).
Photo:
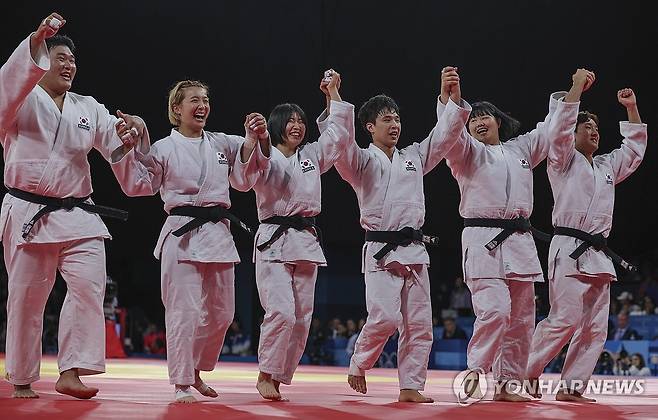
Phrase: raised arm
(337,124)
(451,109)
(628,157)
(447,131)
(351,159)
(563,124)
(250,159)
(24,68)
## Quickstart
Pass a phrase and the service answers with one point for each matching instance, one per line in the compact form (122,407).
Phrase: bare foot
(202,387)
(24,391)
(184,395)
(69,384)
(411,395)
(276,385)
(533,388)
(502,394)
(572,396)
(358,383)
(266,388)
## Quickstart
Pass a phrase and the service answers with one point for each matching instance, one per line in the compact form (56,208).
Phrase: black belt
(509,226)
(52,203)
(289,222)
(203,215)
(598,242)
(395,238)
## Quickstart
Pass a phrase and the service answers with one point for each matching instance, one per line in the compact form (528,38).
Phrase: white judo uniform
(495,182)
(286,270)
(45,153)
(579,289)
(391,196)
(197,268)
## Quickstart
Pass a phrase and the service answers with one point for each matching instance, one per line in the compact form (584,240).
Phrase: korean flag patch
(608,179)
(222,159)
(524,163)
(307,165)
(83,122)
(409,165)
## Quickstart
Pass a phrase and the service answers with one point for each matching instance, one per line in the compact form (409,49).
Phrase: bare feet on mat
(358,383)
(411,395)
(266,388)
(183,394)
(69,384)
(572,396)
(503,394)
(24,391)
(533,388)
(202,387)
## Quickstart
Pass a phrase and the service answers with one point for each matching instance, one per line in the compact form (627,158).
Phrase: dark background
(257,54)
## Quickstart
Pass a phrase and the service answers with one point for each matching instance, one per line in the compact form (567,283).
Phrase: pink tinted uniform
(584,196)
(495,182)
(45,153)
(287,269)
(196,268)
(391,196)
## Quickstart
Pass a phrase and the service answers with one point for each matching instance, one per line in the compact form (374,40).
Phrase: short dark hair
(584,116)
(375,106)
(276,123)
(509,126)
(60,40)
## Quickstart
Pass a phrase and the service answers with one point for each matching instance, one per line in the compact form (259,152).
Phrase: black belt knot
(509,226)
(70,202)
(596,241)
(203,215)
(296,222)
(52,204)
(394,238)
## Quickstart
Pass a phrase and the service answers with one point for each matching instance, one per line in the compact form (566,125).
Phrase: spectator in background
(611,329)
(623,331)
(336,328)
(626,301)
(622,364)
(352,340)
(351,328)
(452,331)
(315,342)
(605,364)
(460,298)
(638,367)
(648,307)
(154,340)
(110,304)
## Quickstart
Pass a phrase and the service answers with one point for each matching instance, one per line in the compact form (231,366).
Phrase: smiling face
(295,131)
(193,111)
(59,78)
(386,129)
(484,128)
(587,136)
